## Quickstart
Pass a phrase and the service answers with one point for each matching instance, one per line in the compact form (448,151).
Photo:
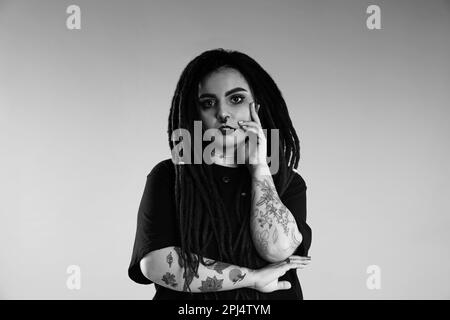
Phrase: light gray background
(83,118)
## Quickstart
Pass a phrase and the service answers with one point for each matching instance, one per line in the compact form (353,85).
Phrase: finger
(293,266)
(255,128)
(303,263)
(249,124)
(284,285)
(252,130)
(299,265)
(254,114)
(299,259)
(296,256)
(288,267)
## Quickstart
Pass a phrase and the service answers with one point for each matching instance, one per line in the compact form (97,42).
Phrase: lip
(227,127)
(225,130)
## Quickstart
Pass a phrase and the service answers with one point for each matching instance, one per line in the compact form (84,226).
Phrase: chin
(230,142)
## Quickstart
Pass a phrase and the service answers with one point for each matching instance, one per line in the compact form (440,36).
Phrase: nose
(223,115)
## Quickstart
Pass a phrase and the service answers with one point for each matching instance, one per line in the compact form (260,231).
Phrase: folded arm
(273,227)
(166,268)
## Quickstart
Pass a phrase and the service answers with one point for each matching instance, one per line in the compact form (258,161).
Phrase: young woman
(229,229)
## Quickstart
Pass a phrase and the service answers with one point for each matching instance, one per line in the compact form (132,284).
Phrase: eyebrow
(209,95)
(234,90)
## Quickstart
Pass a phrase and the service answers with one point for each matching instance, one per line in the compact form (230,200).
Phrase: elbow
(275,257)
(283,249)
(146,266)
(282,253)
(275,253)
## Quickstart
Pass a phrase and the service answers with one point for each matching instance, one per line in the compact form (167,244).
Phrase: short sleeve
(294,198)
(156,222)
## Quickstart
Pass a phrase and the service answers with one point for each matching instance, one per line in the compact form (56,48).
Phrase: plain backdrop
(83,120)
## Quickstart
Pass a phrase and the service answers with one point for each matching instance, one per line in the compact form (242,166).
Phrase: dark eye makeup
(237,99)
(205,104)
(234,99)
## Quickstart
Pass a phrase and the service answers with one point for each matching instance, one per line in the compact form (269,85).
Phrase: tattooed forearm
(217,266)
(269,208)
(180,261)
(273,226)
(263,239)
(275,236)
(169,279)
(188,274)
(211,284)
(209,275)
(296,239)
(236,275)
(169,259)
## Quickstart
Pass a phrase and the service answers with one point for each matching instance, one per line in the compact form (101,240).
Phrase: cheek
(207,119)
(243,113)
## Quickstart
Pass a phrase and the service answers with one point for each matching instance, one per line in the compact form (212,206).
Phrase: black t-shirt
(157,229)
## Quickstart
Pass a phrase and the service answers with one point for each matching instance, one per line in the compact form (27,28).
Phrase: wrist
(259,169)
(250,278)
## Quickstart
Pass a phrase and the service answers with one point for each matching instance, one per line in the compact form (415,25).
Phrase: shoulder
(162,175)
(163,169)
(160,181)
(296,186)
(297,179)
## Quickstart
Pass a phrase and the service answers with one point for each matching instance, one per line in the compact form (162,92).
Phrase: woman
(231,229)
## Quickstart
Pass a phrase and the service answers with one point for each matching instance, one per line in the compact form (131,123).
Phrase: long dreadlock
(200,209)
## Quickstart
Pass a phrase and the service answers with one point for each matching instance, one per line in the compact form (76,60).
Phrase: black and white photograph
(224,150)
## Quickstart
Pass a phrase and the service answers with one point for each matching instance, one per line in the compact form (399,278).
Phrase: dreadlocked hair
(201,215)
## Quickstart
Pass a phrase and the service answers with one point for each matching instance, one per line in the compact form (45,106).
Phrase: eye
(207,103)
(236,99)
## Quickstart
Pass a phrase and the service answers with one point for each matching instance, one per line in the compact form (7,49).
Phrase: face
(223,100)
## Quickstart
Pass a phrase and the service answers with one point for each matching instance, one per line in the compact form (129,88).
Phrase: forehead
(222,80)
